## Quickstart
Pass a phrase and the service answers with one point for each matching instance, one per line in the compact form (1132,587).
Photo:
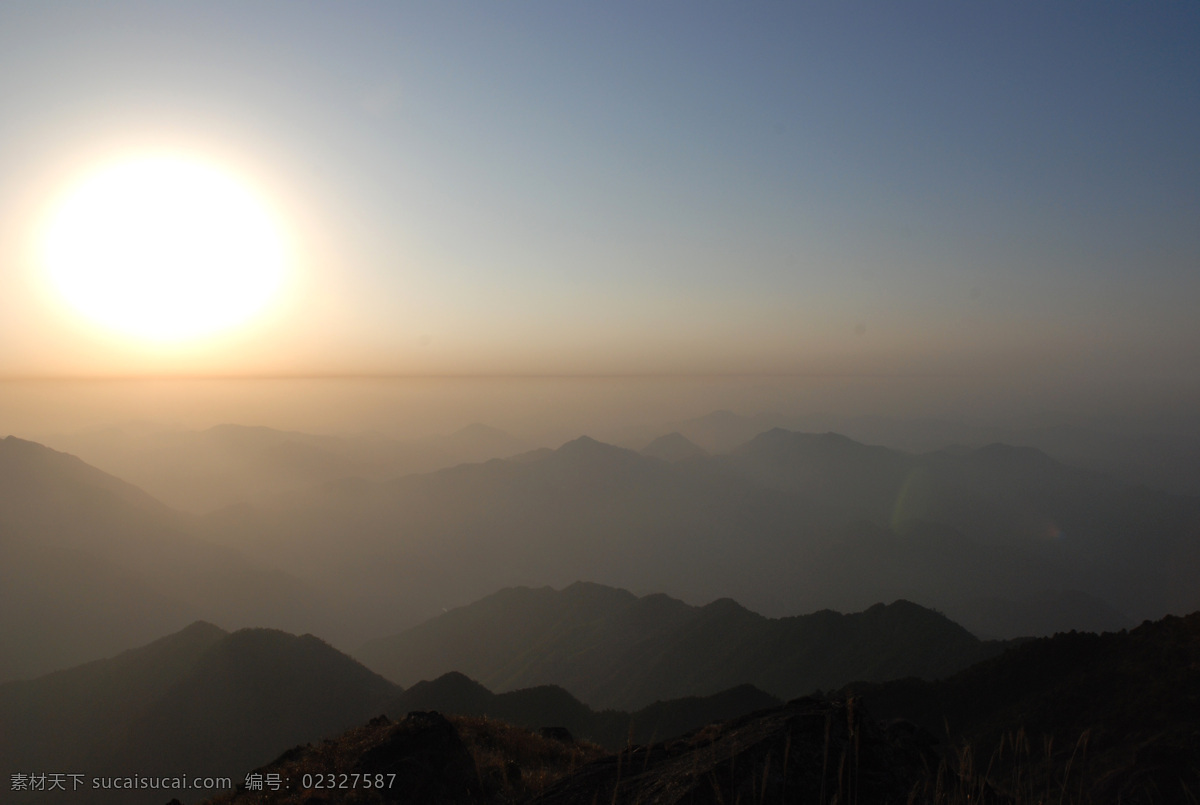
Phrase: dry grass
(514,763)
(312,759)
(1016,773)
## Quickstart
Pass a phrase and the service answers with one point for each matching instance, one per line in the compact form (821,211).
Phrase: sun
(164,248)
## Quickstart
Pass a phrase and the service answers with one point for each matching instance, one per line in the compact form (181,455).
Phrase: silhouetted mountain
(551,706)
(673,447)
(450,693)
(1121,710)
(1072,529)
(72,717)
(200,701)
(986,588)
(1044,613)
(531,456)
(723,432)
(90,565)
(1169,463)
(788,522)
(586,509)
(615,650)
(836,474)
(1075,718)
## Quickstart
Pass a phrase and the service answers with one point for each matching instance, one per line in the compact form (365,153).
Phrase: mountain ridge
(615,650)
(550,706)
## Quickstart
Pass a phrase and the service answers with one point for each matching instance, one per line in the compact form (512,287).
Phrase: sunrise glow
(165,249)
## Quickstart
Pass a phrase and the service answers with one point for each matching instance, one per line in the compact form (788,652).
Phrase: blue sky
(1008,190)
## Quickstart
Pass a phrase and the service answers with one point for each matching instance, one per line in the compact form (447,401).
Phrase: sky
(993,196)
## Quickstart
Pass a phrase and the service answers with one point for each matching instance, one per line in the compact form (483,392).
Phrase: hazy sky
(1009,191)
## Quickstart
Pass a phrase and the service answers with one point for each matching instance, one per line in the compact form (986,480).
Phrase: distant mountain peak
(451,682)
(673,447)
(902,606)
(727,606)
(582,443)
(202,628)
(456,678)
(585,447)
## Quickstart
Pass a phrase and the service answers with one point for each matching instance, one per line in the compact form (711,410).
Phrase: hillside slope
(200,701)
(1123,707)
(90,565)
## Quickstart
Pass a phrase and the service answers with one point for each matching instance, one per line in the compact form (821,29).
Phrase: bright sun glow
(165,249)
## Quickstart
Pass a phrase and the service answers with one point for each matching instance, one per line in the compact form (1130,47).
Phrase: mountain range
(1004,540)
(673,447)
(786,523)
(1113,715)
(1168,462)
(206,702)
(551,708)
(1076,718)
(617,651)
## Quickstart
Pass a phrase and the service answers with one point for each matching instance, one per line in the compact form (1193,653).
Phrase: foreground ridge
(807,750)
